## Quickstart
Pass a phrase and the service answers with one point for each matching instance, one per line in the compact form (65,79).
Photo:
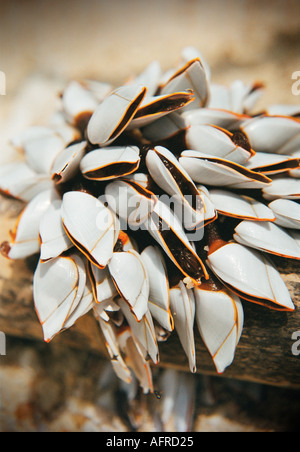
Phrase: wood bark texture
(265,353)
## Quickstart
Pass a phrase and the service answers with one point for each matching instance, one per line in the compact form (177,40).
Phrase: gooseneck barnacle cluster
(158,205)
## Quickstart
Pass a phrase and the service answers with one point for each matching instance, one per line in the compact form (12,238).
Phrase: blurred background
(44,44)
(48,41)
(111,39)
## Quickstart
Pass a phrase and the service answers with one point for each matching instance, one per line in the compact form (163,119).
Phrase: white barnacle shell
(111,337)
(79,103)
(93,146)
(220,319)
(130,200)
(99,89)
(219,142)
(20,140)
(86,305)
(237,97)
(106,308)
(53,237)
(143,331)
(153,108)
(240,206)
(271,164)
(168,174)
(113,115)
(69,133)
(110,163)
(135,358)
(90,225)
(190,76)
(20,181)
(165,127)
(209,170)
(182,302)
(141,179)
(282,187)
(225,119)
(25,237)
(189,53)
(165,228)
(273,134)
(210,212)
(59,286)
(130,277)
(102,284)
(268,237)
(149,77)
(251,275)
(287,213)
(282,110)
(66,165)
(159,302)
(42,150)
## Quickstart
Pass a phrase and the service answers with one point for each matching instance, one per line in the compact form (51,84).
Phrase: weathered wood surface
(263,355)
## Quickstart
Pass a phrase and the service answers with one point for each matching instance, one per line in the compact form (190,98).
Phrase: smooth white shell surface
(165,127)
(283,187)
(143,331)
(237,97)
(20,181)
(41,152)
(130,278)
(128,202)
(77,100)
(240,206)
(192,205)
(273,134)
(26,235)
(213,141)
(251,273)
(90,225)
(85,305)
(100,160)
(104,287)
(191,76)
(182,303)
(220,318)
(214,171)
(287,213)
(114,113)
(58,288)
(66,164)
(262,160)
(212,116)
(159,305)
(149,78)
(54,240)
(267,237)
(153,108)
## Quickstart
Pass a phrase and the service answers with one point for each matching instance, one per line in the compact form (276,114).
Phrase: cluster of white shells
(131,193)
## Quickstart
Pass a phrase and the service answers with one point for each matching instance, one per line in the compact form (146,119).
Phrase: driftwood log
(267,352)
